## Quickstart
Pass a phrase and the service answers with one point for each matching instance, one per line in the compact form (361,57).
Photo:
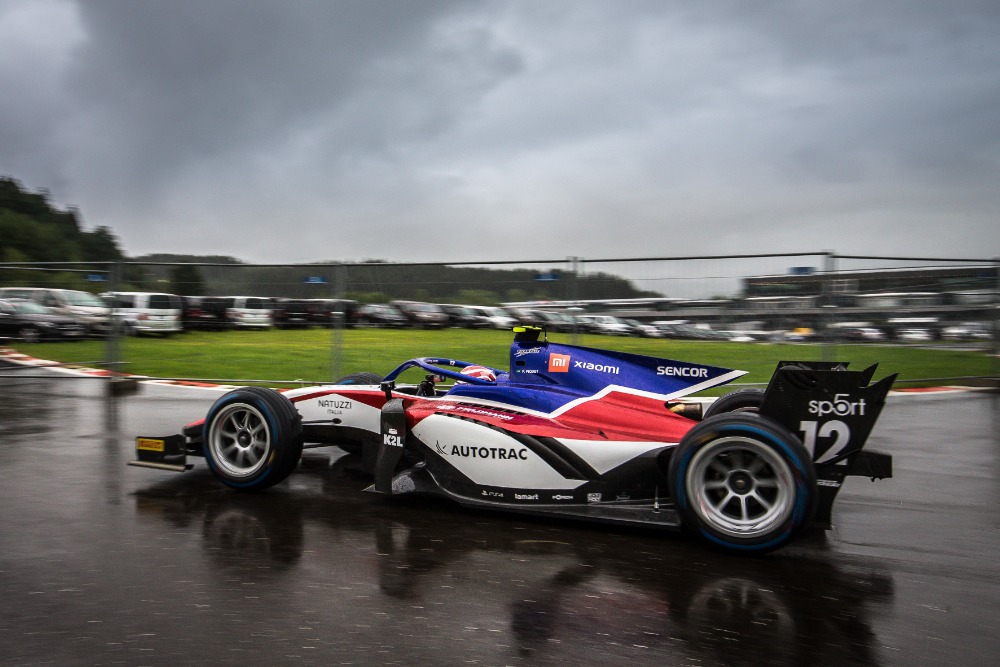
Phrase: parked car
(914,335)
(89,310)
(525,316)
(203,312)
(378,315)
(862,334)
(493,317)
(644,329)
(528,317)
(799,334)
(31,322)
(967,331)
(294,313)
(146,312)
(331,312)
(686,331)
(249,312)
(422,315)
(461,316)
(561,322)
(605,324)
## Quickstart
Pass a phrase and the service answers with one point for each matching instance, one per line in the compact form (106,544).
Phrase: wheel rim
(30,335)
(741,487)
(240,440)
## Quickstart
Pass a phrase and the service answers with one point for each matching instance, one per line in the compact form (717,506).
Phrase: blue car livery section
(589,370)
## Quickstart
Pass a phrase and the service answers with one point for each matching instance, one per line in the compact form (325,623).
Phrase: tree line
(377,281)
(34,231)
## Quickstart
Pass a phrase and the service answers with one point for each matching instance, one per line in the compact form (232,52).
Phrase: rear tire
(252,438)
(747,399)
(360,378)
(744,482)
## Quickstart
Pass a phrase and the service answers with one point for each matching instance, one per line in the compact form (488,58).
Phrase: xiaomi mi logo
(558,363)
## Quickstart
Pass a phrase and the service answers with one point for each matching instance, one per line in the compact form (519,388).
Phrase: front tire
(252,438)
(744,482)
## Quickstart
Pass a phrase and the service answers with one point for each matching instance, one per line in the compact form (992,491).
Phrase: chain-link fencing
(239,323)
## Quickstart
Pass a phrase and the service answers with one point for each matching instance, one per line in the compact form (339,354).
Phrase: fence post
(112,355)
(996,325)
(112,347)
(574,296)
(828,304)
(339,323)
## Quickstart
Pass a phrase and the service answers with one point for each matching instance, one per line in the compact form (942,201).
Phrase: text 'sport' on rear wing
(833,411)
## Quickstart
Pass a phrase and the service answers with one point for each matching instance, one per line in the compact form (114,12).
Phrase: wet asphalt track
(104,564)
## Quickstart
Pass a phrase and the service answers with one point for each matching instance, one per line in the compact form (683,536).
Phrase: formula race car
(571,432)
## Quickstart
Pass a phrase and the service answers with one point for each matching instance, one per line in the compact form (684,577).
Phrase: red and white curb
(14,357)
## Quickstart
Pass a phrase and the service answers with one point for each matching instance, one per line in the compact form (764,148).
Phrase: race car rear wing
(833,411)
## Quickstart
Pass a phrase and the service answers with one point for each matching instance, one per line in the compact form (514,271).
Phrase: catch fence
(327,320)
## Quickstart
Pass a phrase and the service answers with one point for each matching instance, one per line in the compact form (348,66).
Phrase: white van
(494,317)
(87,309)
(249,312)
(146,312)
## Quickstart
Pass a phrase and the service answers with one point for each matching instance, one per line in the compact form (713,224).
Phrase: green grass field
(275,356)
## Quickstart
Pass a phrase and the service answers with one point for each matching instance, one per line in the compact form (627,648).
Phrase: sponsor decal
(593,497)
(392,438)
(526,496)
(601,368)
(827,482)
(454,407)
(558,363)
(340,405)
(492,494)
(474,452)
(560,496)
(150,444)
(678,371)
(839,406)
(334,407)
(529,350)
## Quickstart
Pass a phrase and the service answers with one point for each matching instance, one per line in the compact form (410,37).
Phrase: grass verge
(317,355)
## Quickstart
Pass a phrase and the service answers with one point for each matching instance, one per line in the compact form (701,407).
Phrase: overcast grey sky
(295,130)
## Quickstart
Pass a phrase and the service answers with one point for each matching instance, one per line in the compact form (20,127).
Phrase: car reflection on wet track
(548,593)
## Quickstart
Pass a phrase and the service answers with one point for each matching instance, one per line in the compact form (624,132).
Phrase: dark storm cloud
(182,82)
(295,131)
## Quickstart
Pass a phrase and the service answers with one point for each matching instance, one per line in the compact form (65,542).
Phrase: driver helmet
(480,372)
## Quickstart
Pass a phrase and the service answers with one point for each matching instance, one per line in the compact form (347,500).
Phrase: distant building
(935,280)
